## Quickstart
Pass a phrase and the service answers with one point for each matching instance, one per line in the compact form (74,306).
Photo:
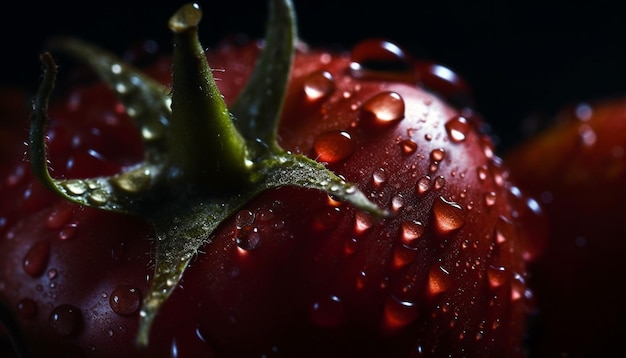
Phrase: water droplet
(397,202)
(328,311)
(68,231)
(457,127)
(437,155)
(380,59)
(497,275)
(36,258)
(133,181)
(362,222)
(439,182)
(490,198)
(125,300)
(248,238)
(482,172)
(408,147)
(445,82)
(52,274)
(65,320)
(399,313)
(59,216)
(587,135)
(27,308)
(411,233)
(383,109)
(423,185)
(350,246)
(379,177)
(244,219)
(98,197)
(448,216)
(318,85)
(438,280)
(75,187)
(333,146)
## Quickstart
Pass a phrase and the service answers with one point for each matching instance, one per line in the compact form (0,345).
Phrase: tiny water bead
(36,259)
(318,85)
(408,146)
(423,185)
(65,320)
(333,146)
(125,300)
(383,109)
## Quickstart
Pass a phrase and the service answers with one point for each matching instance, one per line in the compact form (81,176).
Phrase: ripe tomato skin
(577,167)
(293,272)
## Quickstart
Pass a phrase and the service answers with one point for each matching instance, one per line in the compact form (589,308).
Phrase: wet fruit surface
(294,271)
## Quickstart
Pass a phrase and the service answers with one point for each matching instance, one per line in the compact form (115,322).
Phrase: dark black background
(520,58)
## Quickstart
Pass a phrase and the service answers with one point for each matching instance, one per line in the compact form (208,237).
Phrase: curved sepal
(112,193)
(258,107)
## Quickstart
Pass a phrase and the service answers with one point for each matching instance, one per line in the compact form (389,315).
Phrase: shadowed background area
(521,59)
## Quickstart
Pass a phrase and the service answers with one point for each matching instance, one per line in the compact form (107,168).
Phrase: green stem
(205,148)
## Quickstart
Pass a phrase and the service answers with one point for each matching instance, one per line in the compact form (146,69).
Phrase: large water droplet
(380,59)
(362,222)
(125,300)
(318,85)
(36,259)
(411,233)
(497,275)
(65,320)
(457,127)
(399,313)
(244,219)
(445,82)
(438,280)
(328,311)
(383,109)
(333,146)
(59,216)
(423,185)
(448,216)
(248,238)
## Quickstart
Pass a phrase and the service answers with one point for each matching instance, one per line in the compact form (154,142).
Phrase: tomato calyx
(203,161)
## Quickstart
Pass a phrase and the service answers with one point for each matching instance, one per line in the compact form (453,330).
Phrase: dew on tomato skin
(36,259)
(482,172)
(398,312)
(362,222)
(411,232)
(444,81)
(318,85)
(457,128)
(397,203)
(248,238)
(490,198)
(68,231)
(497,275)
(61,214)
(423,185)
(439,182)
(65,320)
(244,219)
(437,155)
(125,300)
(403,256)
(350,245)
(333,146)
(407,146)
(378,58)
(438,280)
(328,311)
(379,177)
(448,216)
(383,109)
(27,308)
